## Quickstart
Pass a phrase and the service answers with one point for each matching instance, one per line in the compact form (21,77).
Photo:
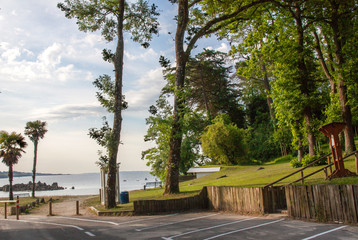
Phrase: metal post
(5,210)
(77,207)
(100,195)
(17,208)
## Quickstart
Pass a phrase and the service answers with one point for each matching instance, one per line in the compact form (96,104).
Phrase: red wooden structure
(331,131)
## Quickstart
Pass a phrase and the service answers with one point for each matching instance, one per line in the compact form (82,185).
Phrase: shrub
(309,159)
(295,163)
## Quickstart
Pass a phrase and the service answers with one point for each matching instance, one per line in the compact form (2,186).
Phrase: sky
(47,67)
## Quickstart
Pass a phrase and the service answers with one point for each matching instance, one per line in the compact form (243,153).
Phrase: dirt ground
(64,207)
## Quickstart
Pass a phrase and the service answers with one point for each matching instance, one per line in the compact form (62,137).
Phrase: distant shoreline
(28,174)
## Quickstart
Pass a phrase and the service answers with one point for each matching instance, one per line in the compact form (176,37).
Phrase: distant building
(201,172)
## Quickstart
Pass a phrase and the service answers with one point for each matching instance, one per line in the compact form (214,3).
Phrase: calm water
(85,184)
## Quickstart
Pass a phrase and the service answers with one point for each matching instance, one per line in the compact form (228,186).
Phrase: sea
(82,184)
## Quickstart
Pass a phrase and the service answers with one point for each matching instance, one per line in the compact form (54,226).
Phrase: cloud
(146,92)
(11,54)
(68,111)
(223,48)
(20,64)
(147,55)
(51,56)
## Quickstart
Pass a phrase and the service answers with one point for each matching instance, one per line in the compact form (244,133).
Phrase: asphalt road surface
(193,225)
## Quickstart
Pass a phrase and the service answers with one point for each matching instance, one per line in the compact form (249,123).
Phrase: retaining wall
(172,205)
(246,200)
(324,203)
(233,199)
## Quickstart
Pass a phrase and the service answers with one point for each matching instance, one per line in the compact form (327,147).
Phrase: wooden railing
(311,164)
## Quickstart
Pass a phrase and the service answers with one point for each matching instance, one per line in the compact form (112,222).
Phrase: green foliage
(306,160)
(159,132)
(295,163)
(35,130)
(11,147)
(92,15)
(224,142)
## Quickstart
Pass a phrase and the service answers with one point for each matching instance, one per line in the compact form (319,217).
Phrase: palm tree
(11,149)
(35,131)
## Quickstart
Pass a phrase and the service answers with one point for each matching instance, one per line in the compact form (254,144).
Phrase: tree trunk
(304,75)
(268,92)
(34,169)
(172,178)
(10,174)
(300,150)
(323,63)
(342,88)
(117,123)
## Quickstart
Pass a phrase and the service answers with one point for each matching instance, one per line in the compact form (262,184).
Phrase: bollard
(50,208)
(5,210)
(77,207)
(17,208)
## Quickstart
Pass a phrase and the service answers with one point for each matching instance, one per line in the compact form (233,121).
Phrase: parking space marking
(207,228)
(322,233)
(90,234)
(48,223)
(166,224)
(146,219)
(244,229)
(87,220)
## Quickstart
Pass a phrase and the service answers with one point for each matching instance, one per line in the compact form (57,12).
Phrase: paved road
(198,225)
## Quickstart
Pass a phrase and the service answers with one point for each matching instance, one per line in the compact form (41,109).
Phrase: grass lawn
(241,176)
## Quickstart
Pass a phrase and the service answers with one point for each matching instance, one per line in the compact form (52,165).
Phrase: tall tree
(341,18)
(11,148)
(113,18)
(35,131)
(196,19)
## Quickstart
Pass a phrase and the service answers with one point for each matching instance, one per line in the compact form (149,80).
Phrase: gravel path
(65,207)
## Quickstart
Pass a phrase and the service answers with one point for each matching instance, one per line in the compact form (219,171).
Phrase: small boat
(124,180)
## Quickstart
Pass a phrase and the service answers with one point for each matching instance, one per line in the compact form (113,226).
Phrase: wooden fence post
(325,173)
(50,208)
(302,180)
(5,210)
(77,207)
(329,162)
(17,208)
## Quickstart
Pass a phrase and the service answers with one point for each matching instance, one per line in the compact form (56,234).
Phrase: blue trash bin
(124,198)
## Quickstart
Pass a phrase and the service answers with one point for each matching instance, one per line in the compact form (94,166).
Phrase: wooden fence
(246,200)
(172,205)
(324,203)
(233,199)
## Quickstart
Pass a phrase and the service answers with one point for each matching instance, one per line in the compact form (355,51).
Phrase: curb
(111,213)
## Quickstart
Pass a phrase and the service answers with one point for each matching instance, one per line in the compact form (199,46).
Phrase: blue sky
(47,67)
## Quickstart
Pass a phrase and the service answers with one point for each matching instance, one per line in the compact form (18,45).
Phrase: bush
(308,159)
(295,163)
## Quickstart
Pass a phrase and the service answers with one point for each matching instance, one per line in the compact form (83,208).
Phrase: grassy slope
(242,176)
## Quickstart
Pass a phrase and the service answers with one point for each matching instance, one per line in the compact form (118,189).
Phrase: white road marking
(48,223)
(243,229)
(166,224)
(145,219)
(87,220)
(90,234)
(322,233)
(207,228)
